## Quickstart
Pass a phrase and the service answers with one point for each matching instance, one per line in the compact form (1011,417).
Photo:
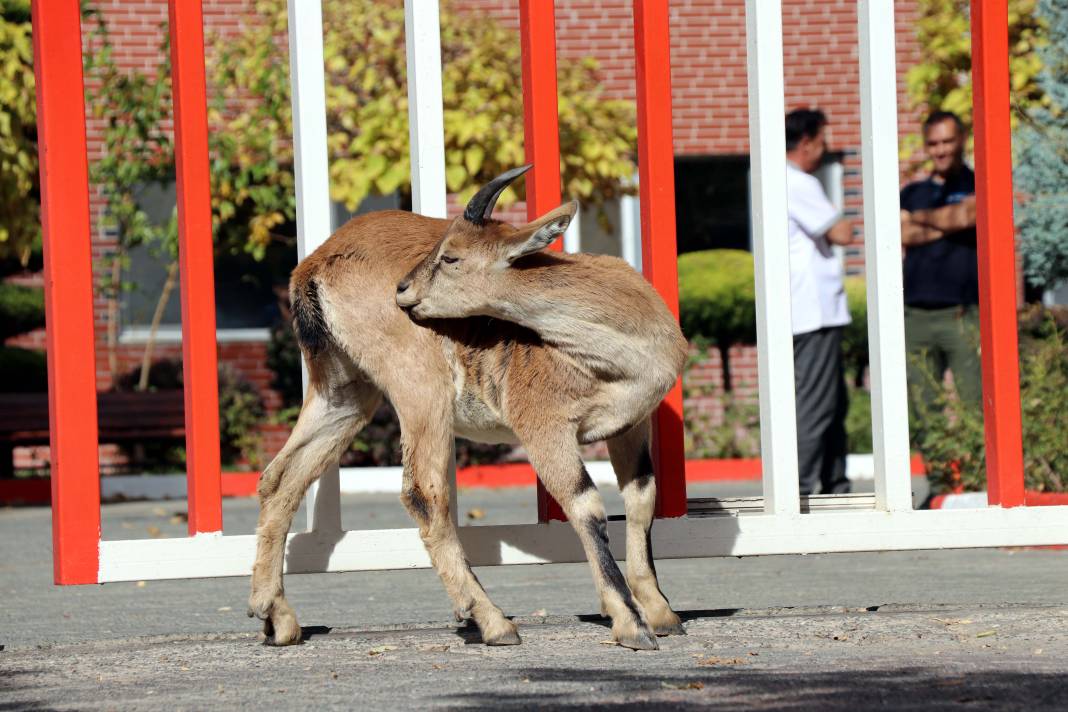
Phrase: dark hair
(801,124)
(938,117)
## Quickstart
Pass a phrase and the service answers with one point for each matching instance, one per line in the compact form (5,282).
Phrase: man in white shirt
(819,308)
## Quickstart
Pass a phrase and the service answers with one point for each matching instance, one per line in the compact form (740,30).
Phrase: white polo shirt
(818,293)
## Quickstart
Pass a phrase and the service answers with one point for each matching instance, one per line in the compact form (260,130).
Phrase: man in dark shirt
(941,269)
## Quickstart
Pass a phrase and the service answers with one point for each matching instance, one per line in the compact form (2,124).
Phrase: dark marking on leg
(584,484)
(649,554)
(645,465)
(596,528)
(414,499)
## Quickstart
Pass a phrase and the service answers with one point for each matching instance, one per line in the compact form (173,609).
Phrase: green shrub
(717,303)
(23,370)
(716,297)
(240,412)
(951,439)
(21,309)
(855,335)
(858,421)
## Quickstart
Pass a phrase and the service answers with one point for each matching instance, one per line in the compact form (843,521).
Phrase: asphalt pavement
(967,629)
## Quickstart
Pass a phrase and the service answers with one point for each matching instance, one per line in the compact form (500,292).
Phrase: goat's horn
(480,207)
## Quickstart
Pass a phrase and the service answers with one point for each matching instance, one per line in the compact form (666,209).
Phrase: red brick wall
(709,99)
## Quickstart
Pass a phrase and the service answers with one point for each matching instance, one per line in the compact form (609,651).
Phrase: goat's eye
(449,259)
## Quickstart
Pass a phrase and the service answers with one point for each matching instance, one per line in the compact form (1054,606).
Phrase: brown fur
(472,331)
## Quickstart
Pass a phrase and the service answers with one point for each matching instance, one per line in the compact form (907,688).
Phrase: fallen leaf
(159,511)
(475,513)
(381,649)
(333,674)
(609,642)
(141,584)
(154,531)
(986,634)
(434,648)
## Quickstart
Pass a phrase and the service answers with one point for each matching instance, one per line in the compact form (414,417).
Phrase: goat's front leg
(560,468)
(426,439)
(634,472)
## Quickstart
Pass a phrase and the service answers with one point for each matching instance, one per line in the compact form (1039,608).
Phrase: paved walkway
(982,629)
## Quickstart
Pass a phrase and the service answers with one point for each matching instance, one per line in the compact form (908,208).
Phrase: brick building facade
(710,119)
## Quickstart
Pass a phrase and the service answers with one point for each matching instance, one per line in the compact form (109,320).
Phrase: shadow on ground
(911,688)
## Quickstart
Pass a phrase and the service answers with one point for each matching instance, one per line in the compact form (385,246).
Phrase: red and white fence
(777,523)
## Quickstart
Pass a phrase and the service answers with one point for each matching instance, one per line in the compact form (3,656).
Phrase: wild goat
(470,329)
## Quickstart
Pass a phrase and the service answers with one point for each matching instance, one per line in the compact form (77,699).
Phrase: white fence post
(771,252)
(426,124)
(426,128)
(313,194)
(882,244)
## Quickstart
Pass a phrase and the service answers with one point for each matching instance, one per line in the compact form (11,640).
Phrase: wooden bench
(122,418)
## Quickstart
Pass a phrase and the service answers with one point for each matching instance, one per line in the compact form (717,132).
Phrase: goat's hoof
(281,629)
(672,629)
(504,633)
(669,624)
(638,639)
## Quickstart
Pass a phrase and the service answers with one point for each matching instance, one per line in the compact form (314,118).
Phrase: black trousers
(822,402)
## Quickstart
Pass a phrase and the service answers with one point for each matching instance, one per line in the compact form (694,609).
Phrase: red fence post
(997,256)
(541,139)
(196,255)
(656,167)
(68,274)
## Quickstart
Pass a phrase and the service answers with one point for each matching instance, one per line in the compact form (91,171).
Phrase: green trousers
(940,339)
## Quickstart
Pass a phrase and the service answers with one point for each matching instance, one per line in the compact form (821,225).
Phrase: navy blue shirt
(945,272)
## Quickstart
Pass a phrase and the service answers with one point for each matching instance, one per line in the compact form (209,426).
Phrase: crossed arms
(920,227)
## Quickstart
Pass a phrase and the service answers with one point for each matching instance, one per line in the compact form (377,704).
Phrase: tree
(942,80)
(1042,160)
(367,112)
(20,227)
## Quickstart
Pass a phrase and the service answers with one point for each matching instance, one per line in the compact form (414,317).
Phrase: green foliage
(21,309)
(23,370)
(367,107)
(855,334)
(138,148)
(240,412)
(942,79)
(952,441)
(717,301)
(19,193)
(858,421)
(1042,162)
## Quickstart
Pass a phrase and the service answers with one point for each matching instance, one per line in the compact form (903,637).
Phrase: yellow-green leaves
(19,226)
(942,80)
(367,104)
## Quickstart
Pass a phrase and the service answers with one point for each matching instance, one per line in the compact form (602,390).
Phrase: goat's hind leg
(426,438)
(329,419)
(560,469)
(630,457)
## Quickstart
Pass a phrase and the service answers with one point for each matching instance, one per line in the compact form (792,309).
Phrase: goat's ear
(539,234)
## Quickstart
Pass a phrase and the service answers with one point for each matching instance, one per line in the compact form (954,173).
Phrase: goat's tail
(308,321)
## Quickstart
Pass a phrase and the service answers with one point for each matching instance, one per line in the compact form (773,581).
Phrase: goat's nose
(403,287)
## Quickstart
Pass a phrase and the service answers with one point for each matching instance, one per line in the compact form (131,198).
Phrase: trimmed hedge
(717,306)
(717,299)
